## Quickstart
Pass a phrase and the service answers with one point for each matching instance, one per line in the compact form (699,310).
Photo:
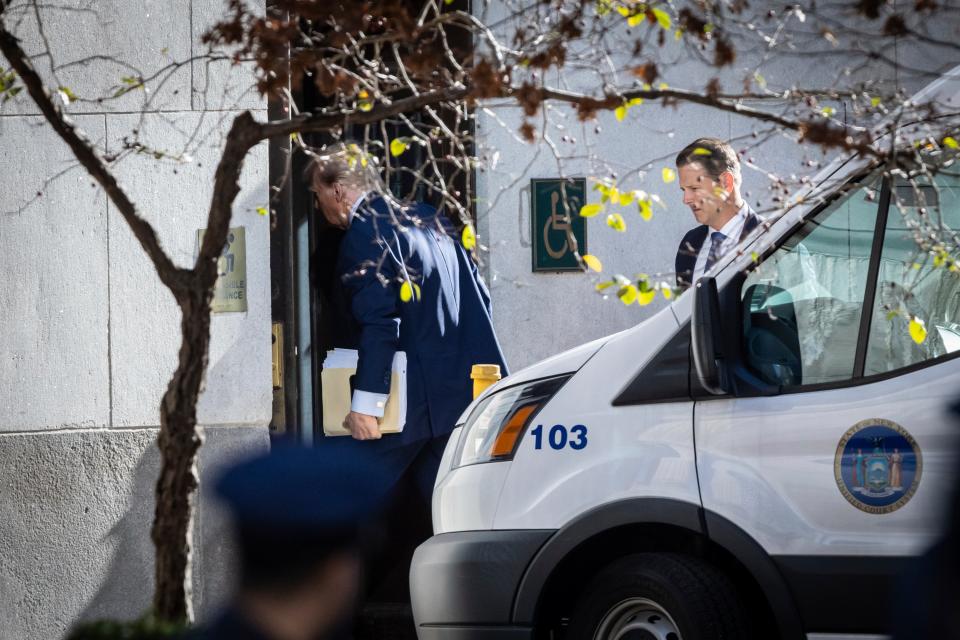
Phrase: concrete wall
(90,336)
(541,314)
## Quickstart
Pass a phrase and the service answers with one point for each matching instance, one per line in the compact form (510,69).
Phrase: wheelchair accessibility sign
(558,230)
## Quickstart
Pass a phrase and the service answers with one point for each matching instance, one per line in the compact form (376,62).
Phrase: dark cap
(333,488)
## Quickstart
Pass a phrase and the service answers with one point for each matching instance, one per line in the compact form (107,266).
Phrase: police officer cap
(328,491)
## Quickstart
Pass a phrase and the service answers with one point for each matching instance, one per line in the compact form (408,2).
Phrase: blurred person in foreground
(303,518)
(928,592)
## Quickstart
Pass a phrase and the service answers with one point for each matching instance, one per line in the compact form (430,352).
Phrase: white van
(757,460)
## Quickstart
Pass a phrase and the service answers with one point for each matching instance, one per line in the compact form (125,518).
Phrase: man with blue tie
(409,286)
(709,176)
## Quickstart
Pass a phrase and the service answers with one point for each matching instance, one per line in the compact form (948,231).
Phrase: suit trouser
(419,459)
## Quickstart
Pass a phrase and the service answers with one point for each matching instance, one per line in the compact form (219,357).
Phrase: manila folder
(338,367)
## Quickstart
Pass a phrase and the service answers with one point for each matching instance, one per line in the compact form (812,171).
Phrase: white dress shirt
(732,230)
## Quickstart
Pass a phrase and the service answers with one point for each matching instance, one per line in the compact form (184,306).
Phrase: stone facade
(90,334)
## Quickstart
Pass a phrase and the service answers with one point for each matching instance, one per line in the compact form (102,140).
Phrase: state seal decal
(877,466)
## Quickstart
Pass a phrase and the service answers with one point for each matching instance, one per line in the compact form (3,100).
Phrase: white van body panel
(466,499)
(767,464)
(566,362)
(631,451)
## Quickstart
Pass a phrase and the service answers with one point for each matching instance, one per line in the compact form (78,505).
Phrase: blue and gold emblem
(877,466)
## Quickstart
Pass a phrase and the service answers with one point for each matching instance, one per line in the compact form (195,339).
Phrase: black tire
(699,601)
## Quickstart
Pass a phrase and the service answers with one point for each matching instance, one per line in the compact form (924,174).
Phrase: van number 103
(559,437)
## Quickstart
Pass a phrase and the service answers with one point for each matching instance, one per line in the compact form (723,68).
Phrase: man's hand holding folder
(339,368)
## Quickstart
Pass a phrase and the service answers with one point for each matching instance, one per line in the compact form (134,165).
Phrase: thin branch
(171,275)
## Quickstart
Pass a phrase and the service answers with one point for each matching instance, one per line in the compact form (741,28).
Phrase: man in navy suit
(709,173)
(445,327)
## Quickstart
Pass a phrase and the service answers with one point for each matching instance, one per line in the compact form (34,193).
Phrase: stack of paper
(338,367)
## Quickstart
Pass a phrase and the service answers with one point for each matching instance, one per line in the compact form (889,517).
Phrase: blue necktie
(716,241)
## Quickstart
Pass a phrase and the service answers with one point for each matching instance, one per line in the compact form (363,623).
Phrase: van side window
(802,305)
(915,279)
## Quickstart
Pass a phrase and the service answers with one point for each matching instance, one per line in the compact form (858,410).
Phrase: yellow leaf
(669,175)
(416,291)
(601,286)
(626,198)
(875,102)
(468,237)
(634,20)
(700,151)
(950,142)
(939,260)
(663,18)
(397,146)
(616,222)
(624,11)
(917,330)
(667,290)
(590,210)
(620,112)
(593,262)
(646,297)
(678,34)
(646,209)
(828,111)
(635,102)
(663,86)
(627,294)
(755,256)
(406,291)
(262,211)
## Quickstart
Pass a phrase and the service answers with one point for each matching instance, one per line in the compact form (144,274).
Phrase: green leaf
(892,314)
(616,222)
(663,19)
(406,291)
(918,332)
(590,210)
(601,286)
(627,294)
(398,146)
(468,237)
(67,95)
(646,209)
(592,262)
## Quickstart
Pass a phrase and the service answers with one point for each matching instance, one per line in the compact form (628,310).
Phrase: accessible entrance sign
(558,230)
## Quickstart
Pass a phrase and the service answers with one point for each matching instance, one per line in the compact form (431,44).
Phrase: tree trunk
(179,442)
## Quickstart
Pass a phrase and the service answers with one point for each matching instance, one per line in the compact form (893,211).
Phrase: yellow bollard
(483,376)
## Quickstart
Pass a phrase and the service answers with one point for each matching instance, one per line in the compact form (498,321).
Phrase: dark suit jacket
(444,333)
(691,244)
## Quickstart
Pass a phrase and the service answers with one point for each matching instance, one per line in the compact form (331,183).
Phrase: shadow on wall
(126,591)
(127,588)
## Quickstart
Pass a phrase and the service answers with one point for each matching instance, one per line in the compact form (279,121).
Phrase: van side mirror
(706,337)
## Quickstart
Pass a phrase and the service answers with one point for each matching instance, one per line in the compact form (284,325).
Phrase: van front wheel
(658,596)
